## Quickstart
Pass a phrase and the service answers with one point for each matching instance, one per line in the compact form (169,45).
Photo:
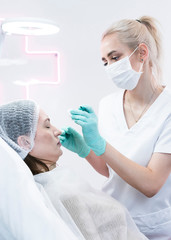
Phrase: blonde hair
(144,30)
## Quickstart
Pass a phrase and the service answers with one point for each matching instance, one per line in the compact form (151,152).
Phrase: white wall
(83,79)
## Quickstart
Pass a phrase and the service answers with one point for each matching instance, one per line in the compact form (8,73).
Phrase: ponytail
(152,26)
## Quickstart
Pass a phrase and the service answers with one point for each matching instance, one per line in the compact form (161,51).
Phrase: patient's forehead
(42,116)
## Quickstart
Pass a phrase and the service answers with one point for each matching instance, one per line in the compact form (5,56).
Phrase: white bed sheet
(25,214)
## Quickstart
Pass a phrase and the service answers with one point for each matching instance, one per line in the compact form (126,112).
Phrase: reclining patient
(89,213)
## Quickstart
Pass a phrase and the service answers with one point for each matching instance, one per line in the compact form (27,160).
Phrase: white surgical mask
(122,74)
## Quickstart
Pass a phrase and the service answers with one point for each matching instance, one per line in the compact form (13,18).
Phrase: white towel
(97,215)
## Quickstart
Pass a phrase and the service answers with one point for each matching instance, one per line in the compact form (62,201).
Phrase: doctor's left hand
(73,141)
(87,119)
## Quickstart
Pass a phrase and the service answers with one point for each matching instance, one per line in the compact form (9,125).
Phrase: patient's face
(47,145)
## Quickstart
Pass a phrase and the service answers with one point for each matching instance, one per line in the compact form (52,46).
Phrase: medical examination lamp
(29,27)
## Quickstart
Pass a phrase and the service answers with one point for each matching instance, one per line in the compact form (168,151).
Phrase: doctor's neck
(147,85)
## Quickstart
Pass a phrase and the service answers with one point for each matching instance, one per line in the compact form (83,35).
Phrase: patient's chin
(60,154)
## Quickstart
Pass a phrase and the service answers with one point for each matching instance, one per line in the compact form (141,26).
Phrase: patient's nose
(57,132)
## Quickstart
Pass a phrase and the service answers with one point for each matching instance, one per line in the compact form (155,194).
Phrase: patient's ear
(24,142)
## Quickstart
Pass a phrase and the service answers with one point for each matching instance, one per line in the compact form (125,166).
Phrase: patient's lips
(59,144)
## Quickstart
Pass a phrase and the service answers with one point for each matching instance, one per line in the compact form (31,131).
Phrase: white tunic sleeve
(163,144)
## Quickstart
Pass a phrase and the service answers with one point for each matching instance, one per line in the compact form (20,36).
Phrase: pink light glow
(36,81)
(57,60)
(55,81)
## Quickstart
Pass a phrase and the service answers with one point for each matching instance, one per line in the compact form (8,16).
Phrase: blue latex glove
(73,141)
(86,118)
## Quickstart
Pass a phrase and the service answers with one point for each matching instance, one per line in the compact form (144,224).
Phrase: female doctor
(133,148)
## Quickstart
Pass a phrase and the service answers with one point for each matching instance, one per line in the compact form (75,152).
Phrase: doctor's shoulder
(167,95)
(168,91)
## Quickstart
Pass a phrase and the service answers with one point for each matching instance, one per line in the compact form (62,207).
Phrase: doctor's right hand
(87,119)
(74,142)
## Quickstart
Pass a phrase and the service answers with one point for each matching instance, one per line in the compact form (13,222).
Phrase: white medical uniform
(152,133)
(25,214)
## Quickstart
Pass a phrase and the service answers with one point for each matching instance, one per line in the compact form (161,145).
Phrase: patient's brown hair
(36,166)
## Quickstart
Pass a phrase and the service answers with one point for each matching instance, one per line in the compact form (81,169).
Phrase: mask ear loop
(141,59)
(133,51)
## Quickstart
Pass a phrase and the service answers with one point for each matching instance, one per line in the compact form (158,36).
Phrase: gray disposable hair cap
(19,118)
